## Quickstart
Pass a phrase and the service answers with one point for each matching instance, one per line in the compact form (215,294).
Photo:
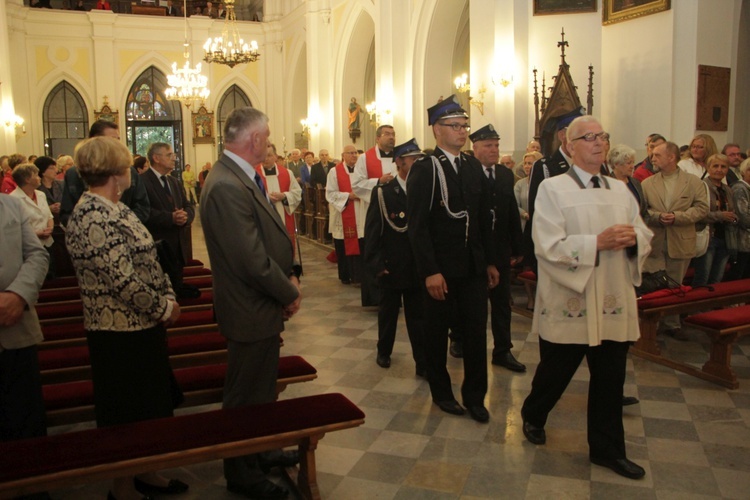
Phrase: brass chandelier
(229,48)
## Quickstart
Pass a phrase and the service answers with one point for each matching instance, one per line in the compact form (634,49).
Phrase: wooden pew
(73,402)
(724,327)
(69,459)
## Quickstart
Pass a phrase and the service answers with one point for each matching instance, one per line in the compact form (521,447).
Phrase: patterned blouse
(122,285)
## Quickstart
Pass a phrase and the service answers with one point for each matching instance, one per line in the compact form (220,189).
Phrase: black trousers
(390,303)
(21,402)
(557,366)
(252,370)
(465,305)
(349,266)
(500,314)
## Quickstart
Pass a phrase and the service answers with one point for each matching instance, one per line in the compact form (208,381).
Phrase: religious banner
(106,113)
(203,126)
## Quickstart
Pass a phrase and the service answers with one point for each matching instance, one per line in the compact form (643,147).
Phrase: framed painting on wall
(616,11)
(203,127)
(544,7)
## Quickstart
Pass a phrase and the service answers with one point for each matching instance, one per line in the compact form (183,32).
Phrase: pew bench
(66,364)
(724,326)
(73,402)
(68,459)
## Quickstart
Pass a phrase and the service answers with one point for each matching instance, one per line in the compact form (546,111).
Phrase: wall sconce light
(464,87)
(307,125)
(378,113)
(13,121)
(502,78)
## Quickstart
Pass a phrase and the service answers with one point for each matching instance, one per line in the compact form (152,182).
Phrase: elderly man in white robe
(283,190)
(591,245)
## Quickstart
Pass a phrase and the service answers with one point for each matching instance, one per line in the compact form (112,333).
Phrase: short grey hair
(620,155)
(241,121)
(744,167)
(22,173)
(572,130)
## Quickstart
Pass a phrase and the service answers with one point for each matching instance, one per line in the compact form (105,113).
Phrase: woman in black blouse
(127,302)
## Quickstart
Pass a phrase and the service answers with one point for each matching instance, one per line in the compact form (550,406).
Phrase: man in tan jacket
(676,201)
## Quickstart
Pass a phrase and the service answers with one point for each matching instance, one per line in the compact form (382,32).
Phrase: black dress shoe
(175,487)
(110,496)
(456,349)
(507,360)
(621,466)
(629,400)
(534,434)
(451,407)
(263,489)
(278,459)
(383,361)
(478,413)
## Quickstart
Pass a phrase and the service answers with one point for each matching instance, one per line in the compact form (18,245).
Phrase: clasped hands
(179,217)
(616,237)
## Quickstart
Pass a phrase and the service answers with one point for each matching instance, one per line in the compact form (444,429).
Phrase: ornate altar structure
(563,98)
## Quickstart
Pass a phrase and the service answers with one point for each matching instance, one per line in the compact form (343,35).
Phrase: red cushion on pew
(194,263)
(31,457)
(295,366)
(195,318)
(54,311)
(198,342)
(59,294)
(66,357)
(207,297)
(730,317)
(68,395)
(200,281)
(63,331)
(719,290)
(196,378)
(528,275)
(62,282)
(196,271)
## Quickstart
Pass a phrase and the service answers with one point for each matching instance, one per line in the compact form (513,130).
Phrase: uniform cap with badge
(447,108)
(484,133)
(409,148)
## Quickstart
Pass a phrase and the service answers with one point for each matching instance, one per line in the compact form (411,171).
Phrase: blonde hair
(100,158)
(534,154)
(23,172)
(744,167)
(62,161)
(708,143)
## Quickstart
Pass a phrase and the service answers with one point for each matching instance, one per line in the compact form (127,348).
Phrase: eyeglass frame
(591,137)
(456,126)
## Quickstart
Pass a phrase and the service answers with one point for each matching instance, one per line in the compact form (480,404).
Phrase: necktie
(457,162)
(166,185)
(595,181)
(490,174)
(262,188)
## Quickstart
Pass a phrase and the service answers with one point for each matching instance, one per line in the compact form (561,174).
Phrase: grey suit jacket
(23,265)
(250,252)
(689,204)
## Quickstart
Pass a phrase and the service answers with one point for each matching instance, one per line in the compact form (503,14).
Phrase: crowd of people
(435,231)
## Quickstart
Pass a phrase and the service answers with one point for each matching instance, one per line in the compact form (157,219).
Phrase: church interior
(640,66)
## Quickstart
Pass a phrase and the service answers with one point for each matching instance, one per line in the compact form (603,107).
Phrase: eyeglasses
(168,155)
(591,137)
(457,127)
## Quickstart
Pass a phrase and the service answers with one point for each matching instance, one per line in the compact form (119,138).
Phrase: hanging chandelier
(229,48)
(187,84)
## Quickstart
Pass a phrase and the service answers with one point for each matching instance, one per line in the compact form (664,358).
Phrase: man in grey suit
(256,285)
(24,265)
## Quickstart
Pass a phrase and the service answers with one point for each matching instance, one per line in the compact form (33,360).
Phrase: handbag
(651,282)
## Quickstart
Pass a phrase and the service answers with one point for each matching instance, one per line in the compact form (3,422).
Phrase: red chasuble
(284,183)
(348,216)
(374,167)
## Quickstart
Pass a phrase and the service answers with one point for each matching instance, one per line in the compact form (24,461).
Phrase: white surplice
(578,301)
(337,202)
(293,196)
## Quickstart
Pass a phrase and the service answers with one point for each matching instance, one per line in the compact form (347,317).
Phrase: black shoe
(534,434)
(175,487)
(507,360)
(278,459)
(421,372)
(457,349)
(263,489)
(451,407)
(478,413)
(110,496)
(188,292)
(621,466)
(383,361)
(629,400)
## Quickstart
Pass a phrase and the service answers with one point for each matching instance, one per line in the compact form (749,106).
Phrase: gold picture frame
(106,113)
(617,11)
(547,7)
(203,127)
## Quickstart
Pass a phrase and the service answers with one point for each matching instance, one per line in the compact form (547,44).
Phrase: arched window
(233,98)
(65,119)
(150,117)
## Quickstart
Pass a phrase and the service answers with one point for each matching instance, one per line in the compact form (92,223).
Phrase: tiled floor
(692,437)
